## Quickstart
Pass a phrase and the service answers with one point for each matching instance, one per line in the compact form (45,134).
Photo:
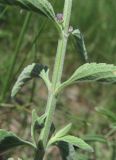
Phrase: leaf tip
(90,149)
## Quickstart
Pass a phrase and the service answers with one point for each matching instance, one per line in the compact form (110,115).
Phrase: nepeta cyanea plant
(43,132)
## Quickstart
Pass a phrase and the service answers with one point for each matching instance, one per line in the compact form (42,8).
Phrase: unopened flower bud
(60,17)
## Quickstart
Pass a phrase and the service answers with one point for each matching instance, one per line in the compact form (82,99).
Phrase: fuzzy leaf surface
(75,141)
(63,131)
(34,118)
(93,72)
(9,140)
(29,72)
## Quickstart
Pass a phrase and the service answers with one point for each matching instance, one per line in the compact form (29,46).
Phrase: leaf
(34,118)
(40,6)
(40,121)
(5,34)
(67,150)
(9,140)
(80,43)
(37,125)
(108,113)
(113,126)
(91,72)
(95,138)
(63,131)
(29,72)
(77,142)
(43,7)
(14,159)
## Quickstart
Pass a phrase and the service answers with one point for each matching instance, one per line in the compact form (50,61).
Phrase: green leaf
(29,72)
(40,6)
(63,131)
(37,125)
(9,140)
(34,118)
(40,121)
(91,72)
(113,126)
(5,34)
(45,76)
(80,43)
(43,7)
(95,138)
(78,142)
(14,159)
(108,113)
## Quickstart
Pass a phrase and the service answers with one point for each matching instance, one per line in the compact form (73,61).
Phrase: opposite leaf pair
(64,142)
(89,72)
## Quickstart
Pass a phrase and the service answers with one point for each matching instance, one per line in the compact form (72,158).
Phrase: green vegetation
(30,37)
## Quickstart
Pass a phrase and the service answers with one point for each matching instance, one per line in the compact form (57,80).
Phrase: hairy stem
(57,73)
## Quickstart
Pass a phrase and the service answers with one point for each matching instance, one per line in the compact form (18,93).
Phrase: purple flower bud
(59,17)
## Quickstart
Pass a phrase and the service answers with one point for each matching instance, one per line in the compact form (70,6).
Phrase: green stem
(57,73)
(18,45)
(3,12)
(113,156)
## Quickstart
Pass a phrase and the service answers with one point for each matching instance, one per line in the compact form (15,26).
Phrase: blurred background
(26,38)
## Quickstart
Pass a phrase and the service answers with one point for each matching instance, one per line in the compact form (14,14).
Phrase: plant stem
(57,73)
(3,12)
(113,150)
